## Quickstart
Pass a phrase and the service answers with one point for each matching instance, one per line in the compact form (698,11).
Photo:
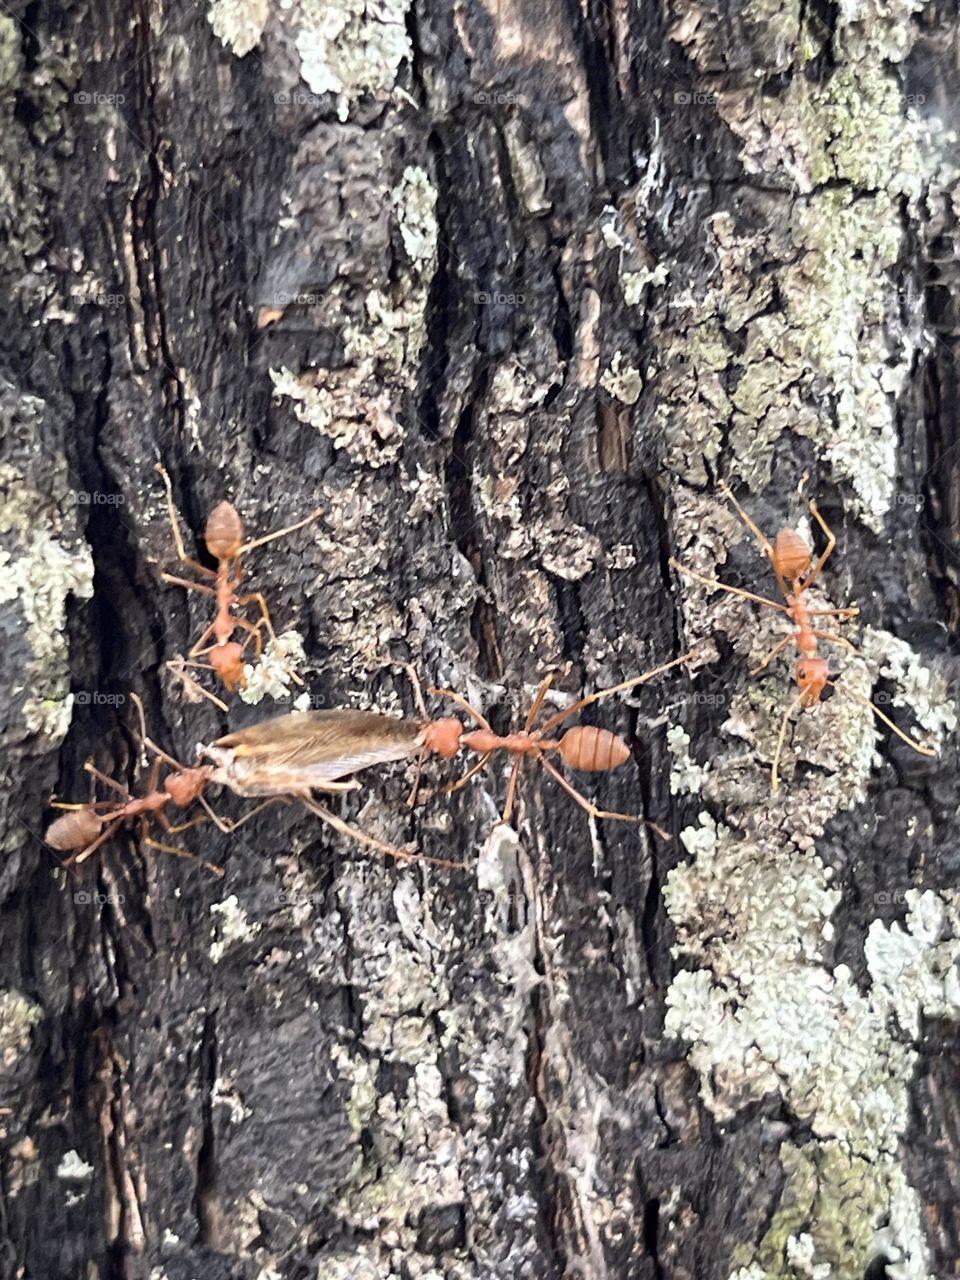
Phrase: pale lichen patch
(238,24)
(17,1016)
(40,572)
(415,202)
(272,674)
(622,380)
(352,48)
(235,926)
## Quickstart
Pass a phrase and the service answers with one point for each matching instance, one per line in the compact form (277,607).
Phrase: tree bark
(504,290)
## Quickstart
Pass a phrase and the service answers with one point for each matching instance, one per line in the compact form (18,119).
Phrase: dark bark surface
(505,291)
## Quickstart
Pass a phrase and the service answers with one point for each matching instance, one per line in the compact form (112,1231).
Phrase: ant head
(224,531)
(184,787)
(227,662)
(443,736)
(813,675)
(791,554)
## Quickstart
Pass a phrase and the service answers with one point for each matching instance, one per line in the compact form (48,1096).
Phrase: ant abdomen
(75,830)
(224,531)
(590,749)
(791,554)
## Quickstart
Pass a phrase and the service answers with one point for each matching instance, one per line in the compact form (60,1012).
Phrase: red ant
(586,748)
(796,572)
(224,535)
(86,827)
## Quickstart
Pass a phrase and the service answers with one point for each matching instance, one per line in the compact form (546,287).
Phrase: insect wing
(308,749)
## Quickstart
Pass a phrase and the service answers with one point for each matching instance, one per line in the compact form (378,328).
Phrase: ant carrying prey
(796,571)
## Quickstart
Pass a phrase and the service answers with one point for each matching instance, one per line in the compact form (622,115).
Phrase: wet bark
(505,290)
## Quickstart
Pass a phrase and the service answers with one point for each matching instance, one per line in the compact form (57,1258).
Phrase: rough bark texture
(505,289)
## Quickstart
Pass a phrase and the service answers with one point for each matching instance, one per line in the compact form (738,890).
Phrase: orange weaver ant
(796,572)
(224,535)
(586,748)
(84,828)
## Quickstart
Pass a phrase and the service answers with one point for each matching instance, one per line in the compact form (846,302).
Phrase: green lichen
(18,1016)
(761,1008)
(40,572)
(820,347)
(622,380)
(356,405)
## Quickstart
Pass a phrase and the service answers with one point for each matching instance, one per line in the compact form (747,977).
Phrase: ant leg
(91,849)
(591,808)
(538,701)
(187,584)
(112,783)
(361,837)
(175,526)
(852,611)
(464,705)
(178,665)
(198,648)
(615,688)
(173,829)
(417,690)
(252,629)
(229,825)
(781,737)
(182,853)
(779,648)
(472,772)
(266,622)
(280,533)
(91,804)
(149,743)
(512,789)
(810,577)
(765,545)
(835,639)
(865,702)
(724,586)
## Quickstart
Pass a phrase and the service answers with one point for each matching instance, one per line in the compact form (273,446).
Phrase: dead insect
(796,572)
(224,537)
(289,757)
